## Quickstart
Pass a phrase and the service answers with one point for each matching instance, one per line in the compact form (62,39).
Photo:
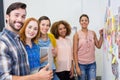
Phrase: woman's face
(44,26)
(62,30)
(31,30)
(84,22)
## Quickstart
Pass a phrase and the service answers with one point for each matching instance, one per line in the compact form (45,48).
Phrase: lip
(45,31)
(31,34)
(63,32)
(84,24)
(18,24)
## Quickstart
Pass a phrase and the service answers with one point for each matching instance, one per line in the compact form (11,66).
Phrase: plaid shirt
(13,56)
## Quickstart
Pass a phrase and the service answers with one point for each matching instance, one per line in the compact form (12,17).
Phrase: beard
(12,25)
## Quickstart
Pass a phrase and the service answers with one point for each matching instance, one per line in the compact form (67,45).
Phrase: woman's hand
(101,32)
(78,71)
(72,72)
(54,52)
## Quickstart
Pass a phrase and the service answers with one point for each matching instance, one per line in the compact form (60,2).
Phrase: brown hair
(84,15)
(55,25)
(14,6)
(43,18)
(22,31)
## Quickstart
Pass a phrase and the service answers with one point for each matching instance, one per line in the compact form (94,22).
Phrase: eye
(82,20)
(35,28)
(24,16)
(16,15)
(60,28)
(64,27)
(43,24)
(48,25)
(29,26)
(86,20)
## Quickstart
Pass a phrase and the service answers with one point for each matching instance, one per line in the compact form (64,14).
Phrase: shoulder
(3,42)
(3,45)
(76,35)
(92,32)
(52,39)
(68,39)
(3,38)
(79,33)
(51,36)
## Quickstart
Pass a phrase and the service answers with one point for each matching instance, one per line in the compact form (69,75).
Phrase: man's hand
(45,74)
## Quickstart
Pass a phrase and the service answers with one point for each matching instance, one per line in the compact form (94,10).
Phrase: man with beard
(13,57)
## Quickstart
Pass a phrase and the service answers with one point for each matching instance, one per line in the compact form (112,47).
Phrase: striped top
(13,56)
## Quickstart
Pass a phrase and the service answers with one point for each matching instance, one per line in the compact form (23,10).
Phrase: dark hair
(55,26)
(84,15)
(14,6)
(43,18)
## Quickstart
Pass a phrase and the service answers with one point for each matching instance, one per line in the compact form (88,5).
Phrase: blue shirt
(13,56)
(33,56)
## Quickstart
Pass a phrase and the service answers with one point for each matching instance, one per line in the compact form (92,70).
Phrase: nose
(20,19)
(31,30)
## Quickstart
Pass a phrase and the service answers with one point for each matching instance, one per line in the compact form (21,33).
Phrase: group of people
(25,44)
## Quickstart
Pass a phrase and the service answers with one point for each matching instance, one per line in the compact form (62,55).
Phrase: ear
(7,17)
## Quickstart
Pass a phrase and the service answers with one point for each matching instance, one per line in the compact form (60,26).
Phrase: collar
(12,34)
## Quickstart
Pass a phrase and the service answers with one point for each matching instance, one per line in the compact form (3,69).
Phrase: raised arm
(98,43)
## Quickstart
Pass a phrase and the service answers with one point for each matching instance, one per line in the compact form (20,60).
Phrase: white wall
(107,57)
(69,10)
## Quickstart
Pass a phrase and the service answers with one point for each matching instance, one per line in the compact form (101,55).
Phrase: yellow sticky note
(113,60)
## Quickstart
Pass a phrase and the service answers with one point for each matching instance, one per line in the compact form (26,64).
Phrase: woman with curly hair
(64,60)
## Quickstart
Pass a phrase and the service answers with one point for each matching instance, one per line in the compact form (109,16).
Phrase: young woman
(46,42)
(85,41)
(29,35)
(64,59)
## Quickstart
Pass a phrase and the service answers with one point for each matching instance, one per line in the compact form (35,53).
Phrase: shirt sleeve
(5,62)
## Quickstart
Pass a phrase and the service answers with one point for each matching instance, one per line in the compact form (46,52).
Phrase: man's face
(16,19)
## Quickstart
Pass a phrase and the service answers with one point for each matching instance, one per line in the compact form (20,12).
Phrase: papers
(50,57)
(47,51)
(43,51)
